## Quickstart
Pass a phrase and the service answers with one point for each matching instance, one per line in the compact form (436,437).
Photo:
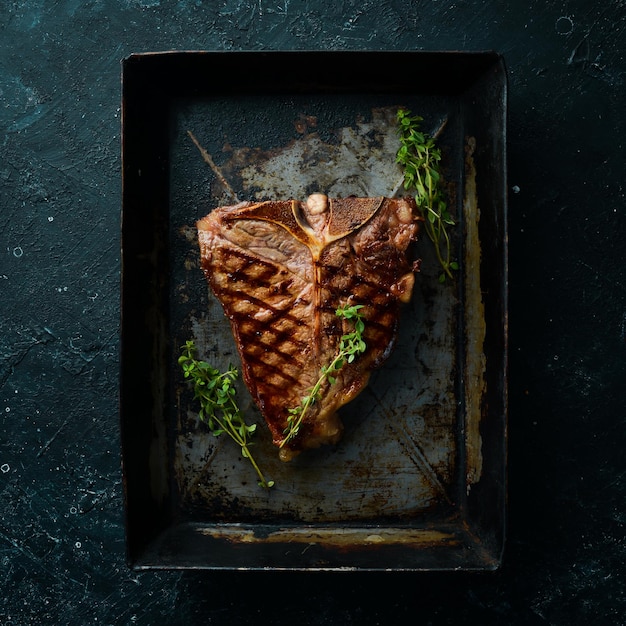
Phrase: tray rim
(133,556)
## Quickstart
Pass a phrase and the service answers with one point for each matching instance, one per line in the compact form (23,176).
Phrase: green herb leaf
(350,346)
(420,161)
(218,407)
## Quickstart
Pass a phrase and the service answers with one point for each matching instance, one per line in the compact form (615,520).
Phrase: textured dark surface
(62,533)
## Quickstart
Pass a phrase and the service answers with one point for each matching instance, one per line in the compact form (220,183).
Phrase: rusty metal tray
(418,481)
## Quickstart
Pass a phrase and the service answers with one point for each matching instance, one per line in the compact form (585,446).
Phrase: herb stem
(420,160)
(218,407)
(350,346)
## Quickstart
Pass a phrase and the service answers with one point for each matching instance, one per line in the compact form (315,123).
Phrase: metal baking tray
(418,481)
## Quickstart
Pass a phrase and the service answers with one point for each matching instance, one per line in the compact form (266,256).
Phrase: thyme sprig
(218,408)
(350,346)
(420,159)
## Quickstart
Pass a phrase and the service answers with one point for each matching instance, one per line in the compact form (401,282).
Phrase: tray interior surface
(417,481)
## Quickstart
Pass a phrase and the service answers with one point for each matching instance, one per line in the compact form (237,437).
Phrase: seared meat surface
(281,269)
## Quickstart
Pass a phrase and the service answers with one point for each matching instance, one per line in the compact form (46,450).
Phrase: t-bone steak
(280,270)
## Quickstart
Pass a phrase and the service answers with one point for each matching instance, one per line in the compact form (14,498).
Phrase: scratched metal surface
(398,453)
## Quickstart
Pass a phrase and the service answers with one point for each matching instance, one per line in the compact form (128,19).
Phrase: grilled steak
(280,270)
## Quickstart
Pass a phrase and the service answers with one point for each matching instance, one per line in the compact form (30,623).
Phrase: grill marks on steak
(280,270)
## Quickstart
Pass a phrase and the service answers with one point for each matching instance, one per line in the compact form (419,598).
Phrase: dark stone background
(62,533)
